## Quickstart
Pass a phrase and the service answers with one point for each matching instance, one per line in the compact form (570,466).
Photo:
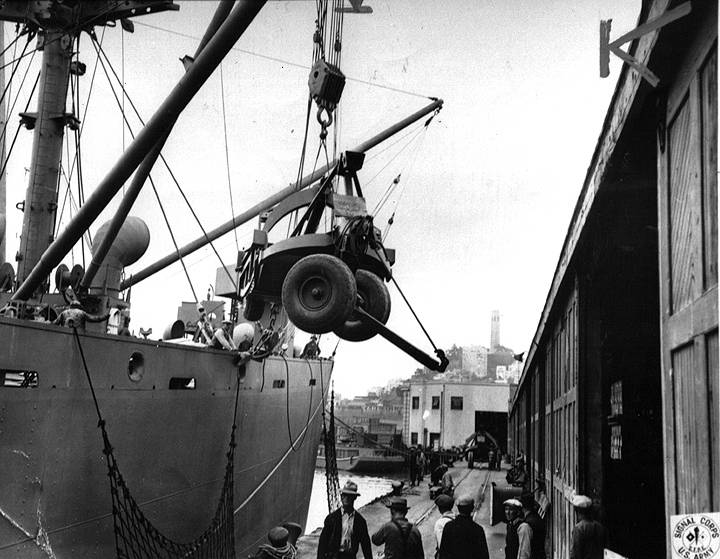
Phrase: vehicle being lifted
(327,282)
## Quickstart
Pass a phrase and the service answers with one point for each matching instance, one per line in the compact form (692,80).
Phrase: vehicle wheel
(374,299)
(319,293)
(254,308)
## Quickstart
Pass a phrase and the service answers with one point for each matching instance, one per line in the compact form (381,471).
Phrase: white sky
(487,195)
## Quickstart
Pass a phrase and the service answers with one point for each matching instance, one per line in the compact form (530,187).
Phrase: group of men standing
(345,531)
(525,536)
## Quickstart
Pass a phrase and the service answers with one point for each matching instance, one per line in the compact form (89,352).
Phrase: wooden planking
(683,183)
(708,84)
(682,367)
(713,403)
(689,310)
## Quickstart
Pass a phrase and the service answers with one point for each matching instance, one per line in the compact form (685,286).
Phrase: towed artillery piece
(330,281)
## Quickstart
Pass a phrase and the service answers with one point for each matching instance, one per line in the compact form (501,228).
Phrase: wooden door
(687,224)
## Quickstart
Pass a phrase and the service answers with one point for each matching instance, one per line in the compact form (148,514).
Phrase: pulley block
(326,83)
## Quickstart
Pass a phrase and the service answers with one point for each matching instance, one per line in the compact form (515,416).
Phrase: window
(416,402)
(182,383)
(18,379)
(413,438)
(436,402)
(136,367)
(456,402)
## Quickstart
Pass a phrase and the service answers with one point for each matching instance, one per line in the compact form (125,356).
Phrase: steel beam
(276,198)
(177,100)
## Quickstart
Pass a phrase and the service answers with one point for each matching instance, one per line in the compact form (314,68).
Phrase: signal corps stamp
(695,536)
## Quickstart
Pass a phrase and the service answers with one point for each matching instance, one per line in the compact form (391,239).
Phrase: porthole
(136,367)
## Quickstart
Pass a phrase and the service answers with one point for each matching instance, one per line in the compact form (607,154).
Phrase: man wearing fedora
(402,540)
(344,530)
(462,538)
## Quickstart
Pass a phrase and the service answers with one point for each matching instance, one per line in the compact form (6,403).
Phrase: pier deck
(423,512)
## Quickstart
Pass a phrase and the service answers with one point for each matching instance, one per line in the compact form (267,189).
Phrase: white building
(510,374)
(445,414)
(474,360)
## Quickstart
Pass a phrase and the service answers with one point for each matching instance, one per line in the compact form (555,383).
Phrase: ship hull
(170,444)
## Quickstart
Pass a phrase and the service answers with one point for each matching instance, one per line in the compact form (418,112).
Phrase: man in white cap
(345,530)
(203,331)
(588,535)
(462,538)
(519,534)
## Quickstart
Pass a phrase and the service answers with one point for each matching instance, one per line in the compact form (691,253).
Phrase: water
(369,487)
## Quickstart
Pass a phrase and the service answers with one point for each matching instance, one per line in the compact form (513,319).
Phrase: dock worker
(588,535)
(412,465)
(537,525)
(203,330)
(518,534)
(345,529)
(311,349)
(222,337)
(124,329)
(278,546)
(463,538)
(445,505)
(401,538)
(76,317)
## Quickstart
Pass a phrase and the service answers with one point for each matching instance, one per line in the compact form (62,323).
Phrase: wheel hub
(315,293)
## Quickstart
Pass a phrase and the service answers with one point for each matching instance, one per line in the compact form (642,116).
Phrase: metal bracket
(606,47)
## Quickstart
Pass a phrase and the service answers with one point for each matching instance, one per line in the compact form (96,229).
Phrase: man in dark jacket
(402,540)
(537,526)
(344,530)
(462,538)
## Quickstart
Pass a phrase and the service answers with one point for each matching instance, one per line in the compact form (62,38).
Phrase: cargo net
(331,471)
(135,535)
(137,538)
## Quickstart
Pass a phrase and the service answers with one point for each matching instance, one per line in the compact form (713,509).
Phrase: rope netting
(331,472)
(137,538)
(135,535)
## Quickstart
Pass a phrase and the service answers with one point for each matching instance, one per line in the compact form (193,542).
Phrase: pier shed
(618,398)
(445,413)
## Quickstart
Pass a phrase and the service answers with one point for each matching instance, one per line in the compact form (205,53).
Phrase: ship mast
(58,24)
(3,196)
(49,123)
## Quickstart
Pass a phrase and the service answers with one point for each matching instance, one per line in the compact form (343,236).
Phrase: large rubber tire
(374,300)
(319,293)
(254,308)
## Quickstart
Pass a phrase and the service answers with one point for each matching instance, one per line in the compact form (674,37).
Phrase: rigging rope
(152,183)
(289,62)
(17,131)
(135,536)
(162,157)
(227,156)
